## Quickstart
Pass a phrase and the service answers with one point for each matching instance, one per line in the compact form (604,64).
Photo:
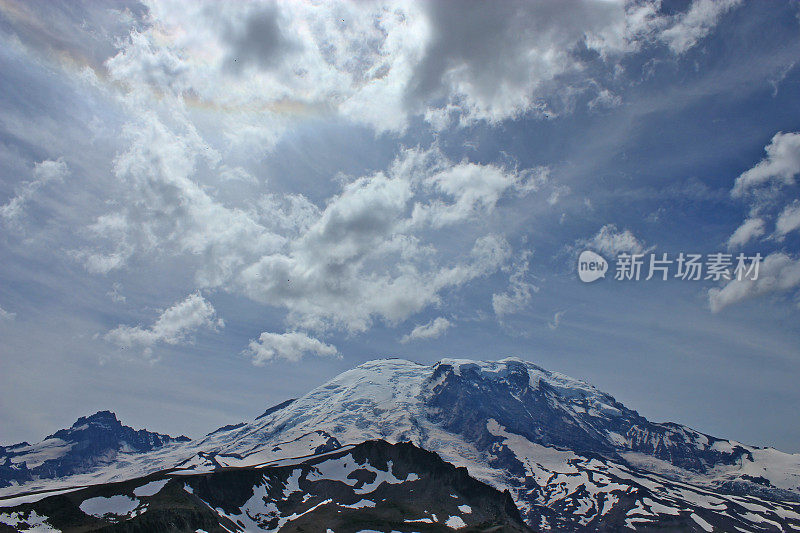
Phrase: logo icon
(591,266)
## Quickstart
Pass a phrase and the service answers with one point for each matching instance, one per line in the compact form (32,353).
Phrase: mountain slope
(571,456)
(373,485)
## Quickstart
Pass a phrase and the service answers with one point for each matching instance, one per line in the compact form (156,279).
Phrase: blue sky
(207,208)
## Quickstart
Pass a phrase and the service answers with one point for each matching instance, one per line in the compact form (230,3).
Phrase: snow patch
(115,505)
(151,489)
(455,522)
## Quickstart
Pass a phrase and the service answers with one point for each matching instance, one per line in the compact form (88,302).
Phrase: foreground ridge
(374,485)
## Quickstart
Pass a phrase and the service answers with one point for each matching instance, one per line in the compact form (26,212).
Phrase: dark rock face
(91,441)
(372,486)
(581,420)
(276,408)
(464,401)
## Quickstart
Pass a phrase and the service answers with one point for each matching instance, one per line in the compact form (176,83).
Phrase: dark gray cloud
(504,57)
(258,39)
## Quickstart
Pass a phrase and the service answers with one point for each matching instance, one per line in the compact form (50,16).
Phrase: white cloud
(6,316)
(611,242)
(165,206)
(369,243)
(789,219)
(318,284)
(278,61)
(468,190)
(764,186)
(557,193)
(173,326)
(605,99)
(44,172)
(209,85)
(291,346)
(690,27)
(752,228)
(778,273)
(780,166)
(258,68)
(432,330)
(498,61)
(519,291)
(494,62)
(382,63)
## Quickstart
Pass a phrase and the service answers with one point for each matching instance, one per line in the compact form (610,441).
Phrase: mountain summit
(92,441)
(570,456)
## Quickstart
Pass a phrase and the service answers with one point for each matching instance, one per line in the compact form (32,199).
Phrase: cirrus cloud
(6,316)
(44,172)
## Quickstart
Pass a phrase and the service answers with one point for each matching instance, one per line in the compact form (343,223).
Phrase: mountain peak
(91,441)
(100,417)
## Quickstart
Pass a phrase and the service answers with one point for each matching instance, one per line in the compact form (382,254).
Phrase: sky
(207,208)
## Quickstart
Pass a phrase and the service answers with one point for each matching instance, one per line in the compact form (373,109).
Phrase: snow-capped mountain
(571,457)
(91,442)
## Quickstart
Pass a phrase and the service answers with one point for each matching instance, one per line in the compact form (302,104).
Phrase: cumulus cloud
(612,242)
(291,346)
(688,28)
(369,243)
(498,61)
(433,329)
(789,219)
(258,39)
(781,165)
(471,189)
(257,68)
(164,205)
(767,187)
(173,326)
(752,228)
(778,273)
(519,291)
(278,61)
(44,172)
(205,86)
(318,285)
(494,62)
(382,63)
